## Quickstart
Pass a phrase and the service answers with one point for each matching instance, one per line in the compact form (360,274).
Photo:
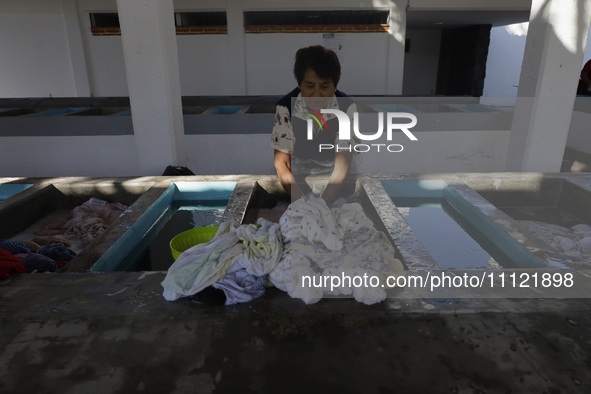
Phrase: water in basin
(227,109)
(435,222)
(550,215)
(472,107)
(8,190)
(455,232)
(153,254)
(183,206)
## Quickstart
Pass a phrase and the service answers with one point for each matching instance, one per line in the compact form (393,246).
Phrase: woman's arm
(342,164)
(282,162)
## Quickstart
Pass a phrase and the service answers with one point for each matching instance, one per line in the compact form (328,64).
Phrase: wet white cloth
(239,286)
(255,248)
(574,242)
(323,242)
(313,219)
(263,247)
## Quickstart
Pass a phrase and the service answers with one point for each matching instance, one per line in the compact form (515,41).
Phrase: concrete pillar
(76,47)
(151,65)
(551,65)
(396,39)
(235,20)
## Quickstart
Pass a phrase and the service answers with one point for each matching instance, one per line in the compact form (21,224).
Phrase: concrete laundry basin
(434,107)
(58,111)
(143,245)
(46,198)
(262,108)
(227,110)
(549,207)
(16,111)
(552,199)
(268,200)
(452,229)
(194,109)
(29,211)
(100,111)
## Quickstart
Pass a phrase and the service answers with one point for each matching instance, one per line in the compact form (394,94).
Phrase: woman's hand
(342,164)
(282,163)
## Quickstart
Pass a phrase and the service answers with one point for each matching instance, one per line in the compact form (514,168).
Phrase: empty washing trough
(444,221)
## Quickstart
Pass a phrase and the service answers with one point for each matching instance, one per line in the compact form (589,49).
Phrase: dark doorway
(462,61)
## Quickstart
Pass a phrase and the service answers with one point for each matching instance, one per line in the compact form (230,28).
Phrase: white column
(551,65)
(151,65)
(235,20)
(76,47)
(396,38)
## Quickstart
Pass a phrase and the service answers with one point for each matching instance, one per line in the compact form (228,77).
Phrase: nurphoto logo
(345,130)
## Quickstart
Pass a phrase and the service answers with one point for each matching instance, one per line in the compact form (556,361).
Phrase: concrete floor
(80,332)
(114,333)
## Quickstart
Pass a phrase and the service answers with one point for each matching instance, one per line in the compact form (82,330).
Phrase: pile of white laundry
(322,242)
(574,242)
(310,240)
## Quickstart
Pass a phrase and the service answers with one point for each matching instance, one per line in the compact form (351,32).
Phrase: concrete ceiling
(450,19)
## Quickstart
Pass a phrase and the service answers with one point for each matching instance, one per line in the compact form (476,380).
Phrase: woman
(317,71)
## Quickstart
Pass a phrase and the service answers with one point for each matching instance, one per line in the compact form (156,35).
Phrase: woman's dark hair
(323,61)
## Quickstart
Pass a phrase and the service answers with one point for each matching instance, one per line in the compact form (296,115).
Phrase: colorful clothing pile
(9,265)
(16,257)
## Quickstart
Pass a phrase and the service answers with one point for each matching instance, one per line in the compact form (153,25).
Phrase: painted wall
(105,156)
(206,62)
(442,151)
(204,65)
(36,36)
(35,60)
(104,55)
(39,63)
(69,156)
(505,55)
(275,76)
(421,61)
(106,66)
(447,141)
